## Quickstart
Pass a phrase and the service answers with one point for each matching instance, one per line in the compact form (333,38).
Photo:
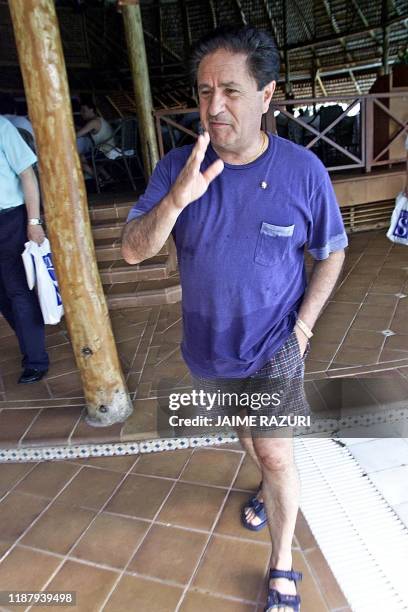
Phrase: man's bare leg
(245,437)
(281,493)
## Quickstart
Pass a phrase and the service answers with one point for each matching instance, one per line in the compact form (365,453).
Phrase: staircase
(153,282)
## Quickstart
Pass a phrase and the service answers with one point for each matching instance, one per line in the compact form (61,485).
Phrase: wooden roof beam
(241,12)
(365,21)
(355,33)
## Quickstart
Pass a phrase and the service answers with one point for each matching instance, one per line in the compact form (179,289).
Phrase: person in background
(8,108)
(19,221)
(95,131)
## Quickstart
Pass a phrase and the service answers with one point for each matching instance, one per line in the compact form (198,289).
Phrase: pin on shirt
(263,185)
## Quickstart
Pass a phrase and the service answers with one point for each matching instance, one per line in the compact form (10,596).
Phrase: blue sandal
(259,509)
(277,599)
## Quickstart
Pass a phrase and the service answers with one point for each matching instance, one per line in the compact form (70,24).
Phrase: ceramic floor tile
(233,568)
(393,484)
(90,488)
(110,540)
(249,475)
(150,596)
(18,511)
(203,504)
(211,466)
(203,602)
(53,424)
(11,473)
(38,567)
(179,552)
(58,528)
(325,579)
(47,478)
(139,496)
(116,464)
(303,534)
(388,391)
(167,463)
(381,454)
(13,424)
(92,586)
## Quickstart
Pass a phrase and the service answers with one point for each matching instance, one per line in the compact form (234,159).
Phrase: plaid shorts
(280,379)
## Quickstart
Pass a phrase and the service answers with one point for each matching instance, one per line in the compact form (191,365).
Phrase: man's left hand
(302,340)
(35,233)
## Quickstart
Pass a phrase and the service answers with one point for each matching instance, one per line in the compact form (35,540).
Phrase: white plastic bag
(398,231)
(40,272)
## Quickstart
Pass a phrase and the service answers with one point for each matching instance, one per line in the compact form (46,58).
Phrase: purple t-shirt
(240,251)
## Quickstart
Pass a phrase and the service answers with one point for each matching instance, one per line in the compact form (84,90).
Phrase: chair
(121,153)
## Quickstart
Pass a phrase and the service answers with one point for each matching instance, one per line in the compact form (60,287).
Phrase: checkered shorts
(281,378)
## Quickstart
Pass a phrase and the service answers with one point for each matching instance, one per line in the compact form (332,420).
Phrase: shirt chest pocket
(273,243)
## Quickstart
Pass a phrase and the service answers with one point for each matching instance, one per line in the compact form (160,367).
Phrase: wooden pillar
(43,68)
(132,20)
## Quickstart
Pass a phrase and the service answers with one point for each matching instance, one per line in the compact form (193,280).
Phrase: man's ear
(268,92)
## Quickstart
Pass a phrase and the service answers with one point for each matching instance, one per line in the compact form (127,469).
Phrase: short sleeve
(17,152)
(326,230)
(158,187)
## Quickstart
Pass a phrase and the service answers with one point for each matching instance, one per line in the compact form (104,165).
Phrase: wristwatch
(37,221)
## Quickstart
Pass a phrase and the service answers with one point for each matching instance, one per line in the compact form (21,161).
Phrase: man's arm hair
(144,236)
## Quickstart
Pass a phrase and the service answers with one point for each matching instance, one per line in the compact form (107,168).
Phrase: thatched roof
(342,39)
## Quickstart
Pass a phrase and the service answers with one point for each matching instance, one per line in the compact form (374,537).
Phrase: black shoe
(31,375)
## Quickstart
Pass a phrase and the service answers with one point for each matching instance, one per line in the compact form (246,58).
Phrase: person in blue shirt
(242,206)
(20,221)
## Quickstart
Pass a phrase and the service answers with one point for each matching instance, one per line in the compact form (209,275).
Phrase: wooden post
(132,20)
(285,50)
(43,68)
(368,132)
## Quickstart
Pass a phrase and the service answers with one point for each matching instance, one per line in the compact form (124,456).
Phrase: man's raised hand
(191,184)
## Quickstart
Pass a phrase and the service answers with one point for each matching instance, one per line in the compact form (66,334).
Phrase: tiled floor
(362,332)
(149,533)
(107,527)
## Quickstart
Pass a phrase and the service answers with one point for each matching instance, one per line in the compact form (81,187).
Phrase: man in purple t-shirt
(242,206)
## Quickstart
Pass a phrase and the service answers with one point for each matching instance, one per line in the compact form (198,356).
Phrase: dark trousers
(18,304)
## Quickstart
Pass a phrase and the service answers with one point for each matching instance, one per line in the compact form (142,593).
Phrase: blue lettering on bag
(50,267)
(401,227)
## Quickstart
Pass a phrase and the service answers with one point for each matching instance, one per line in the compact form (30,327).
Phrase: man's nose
(216,105)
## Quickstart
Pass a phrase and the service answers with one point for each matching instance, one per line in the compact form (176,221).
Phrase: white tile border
(109,449)
(329,427)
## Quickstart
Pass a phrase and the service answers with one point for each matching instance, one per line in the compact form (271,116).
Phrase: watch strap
(304,328)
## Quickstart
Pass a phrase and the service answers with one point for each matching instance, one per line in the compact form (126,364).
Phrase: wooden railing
(344,142)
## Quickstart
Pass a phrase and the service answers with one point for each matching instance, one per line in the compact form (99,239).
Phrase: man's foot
(31,375)
(253,513)
(282,592)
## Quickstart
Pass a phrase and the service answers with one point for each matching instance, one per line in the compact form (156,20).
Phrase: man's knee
(276,456)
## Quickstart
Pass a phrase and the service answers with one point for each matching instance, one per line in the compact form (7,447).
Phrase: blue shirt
(15,157)
(240,250)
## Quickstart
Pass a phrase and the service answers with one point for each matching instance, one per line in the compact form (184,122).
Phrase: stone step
(107,229)
(110,211)
(118,271)
(144,293)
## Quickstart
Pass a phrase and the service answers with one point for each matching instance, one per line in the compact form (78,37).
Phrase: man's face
(231,106)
